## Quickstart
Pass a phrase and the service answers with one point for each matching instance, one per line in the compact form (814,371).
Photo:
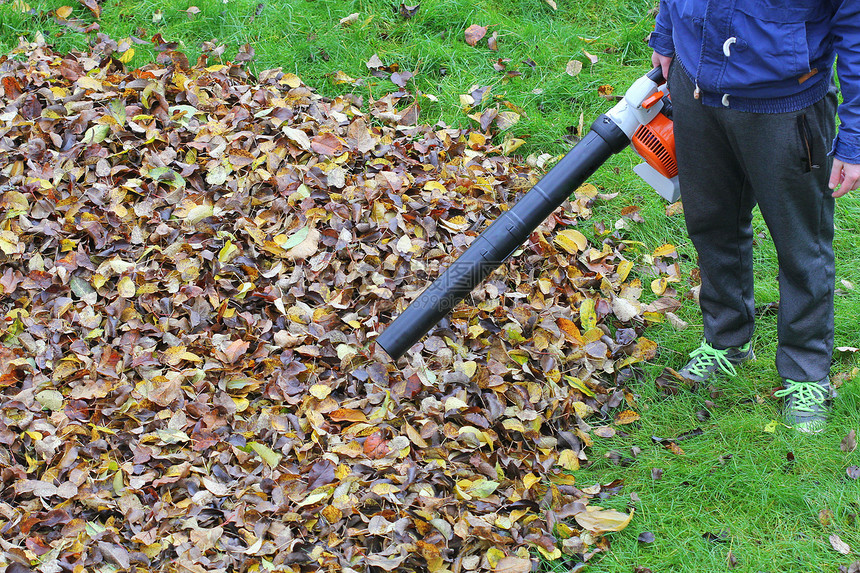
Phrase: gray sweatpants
(730,160)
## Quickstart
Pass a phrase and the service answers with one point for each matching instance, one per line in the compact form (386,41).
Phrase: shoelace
(807,395)
(707,356)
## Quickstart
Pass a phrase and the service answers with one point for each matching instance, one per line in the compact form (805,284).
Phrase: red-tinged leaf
(347,415)
(375,446)
(327,144)
(474,33)
(235,350)
(93,6)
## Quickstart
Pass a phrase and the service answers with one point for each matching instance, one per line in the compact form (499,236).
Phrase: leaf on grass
(474,33)
(646,537)
(849,442)
(626,417)
(349,20)
(598,520)
(839,545)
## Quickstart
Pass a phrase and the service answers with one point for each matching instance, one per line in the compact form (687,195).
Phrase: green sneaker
(706,360)
(806,404)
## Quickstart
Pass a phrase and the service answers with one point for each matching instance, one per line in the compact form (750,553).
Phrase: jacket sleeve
(661,38)
(846,31)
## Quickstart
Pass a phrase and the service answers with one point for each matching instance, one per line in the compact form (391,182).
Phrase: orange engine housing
(655,143)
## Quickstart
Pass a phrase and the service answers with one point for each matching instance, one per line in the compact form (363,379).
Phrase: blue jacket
(768,56)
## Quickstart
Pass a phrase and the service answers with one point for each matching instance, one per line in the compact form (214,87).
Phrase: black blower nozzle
(503,237)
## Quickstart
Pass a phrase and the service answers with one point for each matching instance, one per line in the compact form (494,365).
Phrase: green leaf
(166,175)
(117,110)
(483,488)
(296,238)
(268,455)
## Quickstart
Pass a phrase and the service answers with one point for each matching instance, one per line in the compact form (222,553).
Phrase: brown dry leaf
(513,565)
(93,6)
(235,350)
(474,33)
(849,442)
(307,247)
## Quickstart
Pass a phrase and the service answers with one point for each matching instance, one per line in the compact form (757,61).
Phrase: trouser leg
(795,202)
(782,157)
(718,207)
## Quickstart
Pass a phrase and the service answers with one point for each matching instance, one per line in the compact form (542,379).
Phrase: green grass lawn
(743,485)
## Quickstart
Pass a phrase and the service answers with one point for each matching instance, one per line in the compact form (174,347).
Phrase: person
(754,110)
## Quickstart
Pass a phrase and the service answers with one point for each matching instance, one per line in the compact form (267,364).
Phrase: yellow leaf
(513,424)
(599,520)
(88,83)
(314,498)
(127,56)
(126,288)
(529,480)
(174,355)
(587,314)
(469,368)
(320,391)
(477,139)
(434,186)
(587,190)
(198,213)
(568,460)
(626,417)
(624,268)
(227,252)
(550,555)
(339,77)
(64,12)
(494,556)
(571,241)
(512,144)
(570,330)
(664,250)
(384,488)
(579,385)
(658,286)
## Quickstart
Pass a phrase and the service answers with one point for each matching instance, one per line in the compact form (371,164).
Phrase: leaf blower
(641,118)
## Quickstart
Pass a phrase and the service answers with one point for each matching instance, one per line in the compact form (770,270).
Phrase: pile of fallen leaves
(194,264)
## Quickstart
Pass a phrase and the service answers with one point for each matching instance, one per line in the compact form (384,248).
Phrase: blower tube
(503,236)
